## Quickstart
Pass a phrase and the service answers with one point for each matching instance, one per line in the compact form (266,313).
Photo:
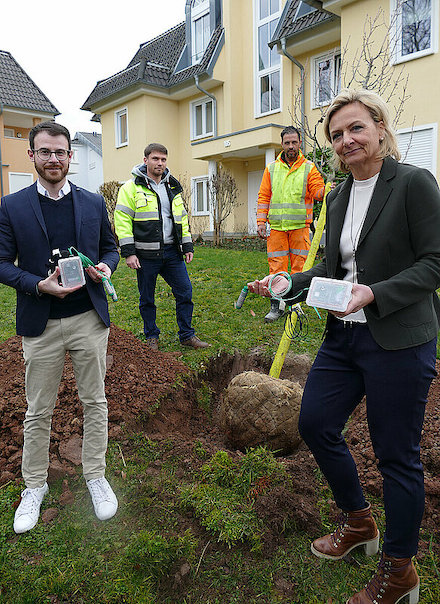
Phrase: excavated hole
(155,393)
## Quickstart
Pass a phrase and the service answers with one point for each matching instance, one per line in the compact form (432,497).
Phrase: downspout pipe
(1,161)
(303,102)
(214,102)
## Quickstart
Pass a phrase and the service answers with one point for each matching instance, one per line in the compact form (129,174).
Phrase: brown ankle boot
(396,579)
(354,529)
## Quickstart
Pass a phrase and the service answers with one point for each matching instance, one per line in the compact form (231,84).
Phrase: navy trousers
(173,269)
(349,365)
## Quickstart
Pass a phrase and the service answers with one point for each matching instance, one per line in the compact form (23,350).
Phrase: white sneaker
(103,498)
(28,512)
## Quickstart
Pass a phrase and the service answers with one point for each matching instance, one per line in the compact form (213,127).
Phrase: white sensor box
(71,271)
(330,294)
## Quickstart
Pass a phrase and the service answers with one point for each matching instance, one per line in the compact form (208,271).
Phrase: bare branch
(223,192)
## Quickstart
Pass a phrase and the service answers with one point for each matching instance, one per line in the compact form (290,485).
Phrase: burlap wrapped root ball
(257,409)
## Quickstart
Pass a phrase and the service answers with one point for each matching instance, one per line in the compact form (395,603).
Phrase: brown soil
(155,392)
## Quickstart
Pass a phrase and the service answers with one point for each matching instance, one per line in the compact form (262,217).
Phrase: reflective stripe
(155,245)
(147,216)
(124,209)
(126,240)
(288,206)
(288,217)
(299,252)
(275,254)
(261,217)
(288,209)
(186,240)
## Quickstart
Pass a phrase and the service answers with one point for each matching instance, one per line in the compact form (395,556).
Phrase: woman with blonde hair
(383,236)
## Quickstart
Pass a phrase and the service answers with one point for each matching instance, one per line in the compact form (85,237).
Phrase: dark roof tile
(154,64)
(18,90)
(93,139)
(289,26)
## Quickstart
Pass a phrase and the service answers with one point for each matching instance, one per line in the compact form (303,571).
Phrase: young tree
(223,193)
(367,66)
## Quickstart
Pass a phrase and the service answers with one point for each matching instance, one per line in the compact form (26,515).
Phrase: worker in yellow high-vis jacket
(153,231)
(285,202)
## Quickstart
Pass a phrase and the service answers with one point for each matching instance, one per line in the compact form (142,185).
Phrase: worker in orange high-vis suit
(285,202)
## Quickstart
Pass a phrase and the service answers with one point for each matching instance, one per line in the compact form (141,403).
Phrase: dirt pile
(138,379)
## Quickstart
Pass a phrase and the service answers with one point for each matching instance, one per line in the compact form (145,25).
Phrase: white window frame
(434,128)
(332,56)
(194,181)
(118,115)
(199,12)
(9,132)
(396,38)
(193,122)
(269,71)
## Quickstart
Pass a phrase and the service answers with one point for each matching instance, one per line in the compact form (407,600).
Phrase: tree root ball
(257,409)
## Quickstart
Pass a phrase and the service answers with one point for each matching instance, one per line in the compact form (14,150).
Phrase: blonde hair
(378,110)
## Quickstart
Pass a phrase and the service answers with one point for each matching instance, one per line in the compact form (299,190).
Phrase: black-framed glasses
(45,154)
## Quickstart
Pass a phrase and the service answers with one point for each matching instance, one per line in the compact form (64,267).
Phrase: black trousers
(349,365)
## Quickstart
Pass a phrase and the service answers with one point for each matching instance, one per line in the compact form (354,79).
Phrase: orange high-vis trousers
(285,245)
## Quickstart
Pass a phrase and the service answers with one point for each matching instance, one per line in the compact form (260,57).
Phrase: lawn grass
(136,558)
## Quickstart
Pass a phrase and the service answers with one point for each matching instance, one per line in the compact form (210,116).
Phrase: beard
(292,155)
(53,173)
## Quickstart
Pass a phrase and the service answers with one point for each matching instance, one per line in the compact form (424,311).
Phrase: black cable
(299,329)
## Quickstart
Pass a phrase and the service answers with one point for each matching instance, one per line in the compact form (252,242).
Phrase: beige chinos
(85,337)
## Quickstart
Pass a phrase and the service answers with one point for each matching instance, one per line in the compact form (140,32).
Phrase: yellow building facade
(219,88)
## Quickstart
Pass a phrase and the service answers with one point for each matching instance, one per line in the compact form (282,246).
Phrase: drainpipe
(303,102)
(1,162)
(214,102)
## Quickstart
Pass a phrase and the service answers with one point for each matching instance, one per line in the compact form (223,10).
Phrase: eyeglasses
(45,154)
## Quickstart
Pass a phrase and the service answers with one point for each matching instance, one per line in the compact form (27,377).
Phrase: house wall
(86,168)
(14,155)
(243,138)
(422,73)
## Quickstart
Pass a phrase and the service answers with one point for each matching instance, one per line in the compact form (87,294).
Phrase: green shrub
(224,500)
(223,513)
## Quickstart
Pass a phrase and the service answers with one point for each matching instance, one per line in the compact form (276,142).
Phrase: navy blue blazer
(25,252)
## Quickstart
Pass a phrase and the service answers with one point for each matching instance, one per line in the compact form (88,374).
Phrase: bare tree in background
(223,193)
(109,190)
(185,182)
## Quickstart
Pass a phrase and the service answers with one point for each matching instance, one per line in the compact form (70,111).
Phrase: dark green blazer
(398,254)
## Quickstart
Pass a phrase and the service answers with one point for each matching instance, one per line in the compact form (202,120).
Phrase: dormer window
(200,28)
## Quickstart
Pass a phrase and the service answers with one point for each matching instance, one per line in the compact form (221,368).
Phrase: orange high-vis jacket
(315,189)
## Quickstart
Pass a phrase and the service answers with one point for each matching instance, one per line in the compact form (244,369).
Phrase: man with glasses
(35,224)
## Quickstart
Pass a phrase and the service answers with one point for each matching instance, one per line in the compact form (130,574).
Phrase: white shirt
(65,189)
(359,202)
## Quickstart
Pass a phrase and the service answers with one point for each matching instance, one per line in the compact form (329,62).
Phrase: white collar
(65,189)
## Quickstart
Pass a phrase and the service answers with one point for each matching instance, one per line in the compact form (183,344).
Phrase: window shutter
(417,148)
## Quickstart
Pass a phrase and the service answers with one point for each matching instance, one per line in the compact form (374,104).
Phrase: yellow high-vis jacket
(286,194)
(138,217)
